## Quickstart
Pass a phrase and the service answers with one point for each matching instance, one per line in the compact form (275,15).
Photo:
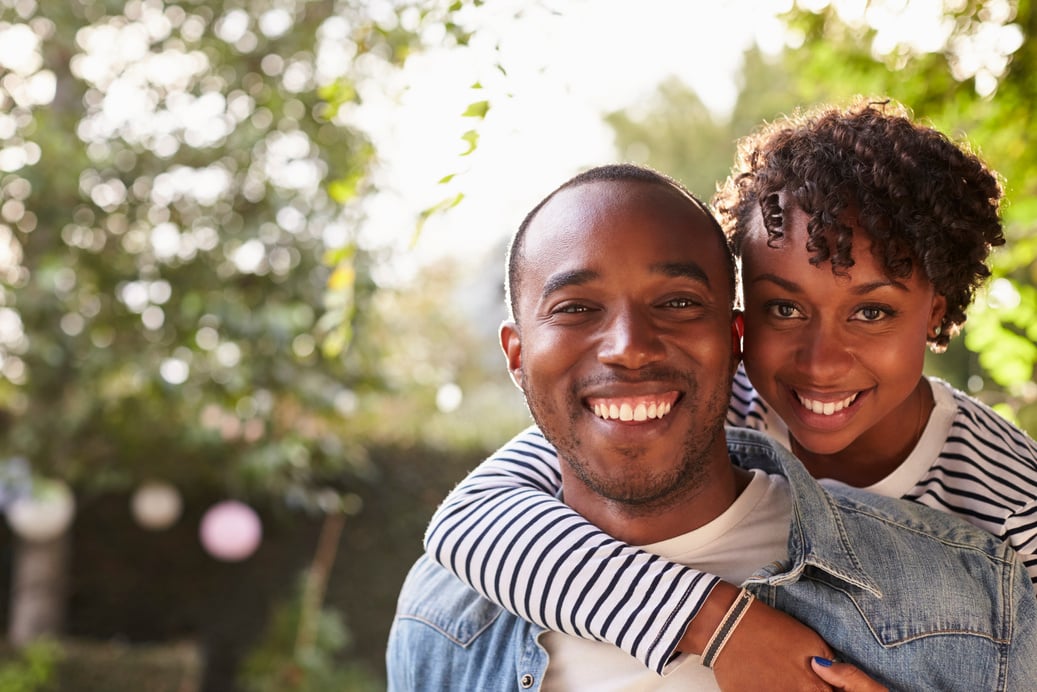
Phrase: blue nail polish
(821,661)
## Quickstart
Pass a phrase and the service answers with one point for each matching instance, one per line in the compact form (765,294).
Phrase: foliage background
(189,290)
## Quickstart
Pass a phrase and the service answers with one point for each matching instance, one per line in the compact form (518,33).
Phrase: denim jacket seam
(467,642)
(1002,561)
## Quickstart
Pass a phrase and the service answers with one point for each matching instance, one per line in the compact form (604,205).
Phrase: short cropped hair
(623,172)
(923,200)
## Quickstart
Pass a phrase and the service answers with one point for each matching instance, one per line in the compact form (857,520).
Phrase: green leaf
(343,190)
(441,206)
(338,255)
(477,109)
(472,137)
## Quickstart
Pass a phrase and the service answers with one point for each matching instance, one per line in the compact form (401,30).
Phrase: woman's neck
(881,450)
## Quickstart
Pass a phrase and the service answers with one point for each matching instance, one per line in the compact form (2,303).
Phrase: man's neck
(641,524)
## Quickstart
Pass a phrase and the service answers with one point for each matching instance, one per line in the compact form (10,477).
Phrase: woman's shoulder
(984,431)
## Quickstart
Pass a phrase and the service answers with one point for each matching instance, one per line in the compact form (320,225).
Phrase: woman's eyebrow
(876,285)
(790,286)
(863,289)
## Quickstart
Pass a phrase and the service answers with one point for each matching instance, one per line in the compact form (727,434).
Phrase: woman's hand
(843,676)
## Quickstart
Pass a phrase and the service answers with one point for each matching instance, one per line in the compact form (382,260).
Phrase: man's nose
(631,340)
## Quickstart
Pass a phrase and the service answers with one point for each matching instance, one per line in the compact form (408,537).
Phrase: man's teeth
(826,408)
(626,412)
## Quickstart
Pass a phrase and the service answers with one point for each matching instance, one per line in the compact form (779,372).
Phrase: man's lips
(633,408)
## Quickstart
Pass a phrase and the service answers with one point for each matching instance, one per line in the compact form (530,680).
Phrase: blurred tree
(676,133)
(968,68)
(179,183)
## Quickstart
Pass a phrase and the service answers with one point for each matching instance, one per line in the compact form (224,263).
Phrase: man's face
(625,347)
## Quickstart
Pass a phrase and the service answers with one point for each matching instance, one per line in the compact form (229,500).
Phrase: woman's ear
(511,343)
(936,315)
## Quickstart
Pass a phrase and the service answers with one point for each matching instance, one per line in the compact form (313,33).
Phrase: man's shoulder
(435,597)
(836,514)
(446,636)
(751,448)
(900,515)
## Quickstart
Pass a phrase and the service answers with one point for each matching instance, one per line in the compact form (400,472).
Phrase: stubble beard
(640,492)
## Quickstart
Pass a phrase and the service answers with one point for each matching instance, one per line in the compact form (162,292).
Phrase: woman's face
(837,357)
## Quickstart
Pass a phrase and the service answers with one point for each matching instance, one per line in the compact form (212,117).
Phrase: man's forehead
(597,201)
(575,226)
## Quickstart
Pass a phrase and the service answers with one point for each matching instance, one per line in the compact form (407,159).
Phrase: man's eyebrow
(558,281)
(863,289)
(687,270)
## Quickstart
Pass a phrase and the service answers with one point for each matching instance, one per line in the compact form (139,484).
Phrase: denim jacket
(918,599)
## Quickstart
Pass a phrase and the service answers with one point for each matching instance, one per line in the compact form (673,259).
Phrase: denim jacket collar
(827,547)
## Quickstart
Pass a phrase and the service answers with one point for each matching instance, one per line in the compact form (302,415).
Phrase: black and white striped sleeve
(503,531)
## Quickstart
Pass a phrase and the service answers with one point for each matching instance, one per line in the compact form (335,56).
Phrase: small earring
(936,331)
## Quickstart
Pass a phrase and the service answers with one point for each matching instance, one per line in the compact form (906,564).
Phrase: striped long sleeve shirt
(504,532)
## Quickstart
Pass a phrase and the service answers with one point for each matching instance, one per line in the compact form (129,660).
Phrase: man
(624,341)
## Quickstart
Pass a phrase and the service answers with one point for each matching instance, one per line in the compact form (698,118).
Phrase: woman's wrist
(709,617)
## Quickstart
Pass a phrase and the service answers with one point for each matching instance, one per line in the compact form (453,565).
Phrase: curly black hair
(921,198)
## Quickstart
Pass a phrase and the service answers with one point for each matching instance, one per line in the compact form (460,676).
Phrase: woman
(863,236)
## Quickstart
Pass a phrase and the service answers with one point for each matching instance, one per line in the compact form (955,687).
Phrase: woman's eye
(783,310)
(873,313)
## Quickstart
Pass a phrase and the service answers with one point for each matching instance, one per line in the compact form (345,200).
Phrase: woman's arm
(1021,534)
(504,532)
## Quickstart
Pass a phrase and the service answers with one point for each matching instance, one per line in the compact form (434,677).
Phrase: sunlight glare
(20,49)
(554,82)
(174,371)
(275,22)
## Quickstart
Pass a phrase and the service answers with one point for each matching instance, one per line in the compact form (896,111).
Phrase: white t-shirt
(751,533)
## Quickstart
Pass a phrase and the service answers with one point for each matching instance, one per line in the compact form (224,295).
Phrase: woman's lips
(826,408)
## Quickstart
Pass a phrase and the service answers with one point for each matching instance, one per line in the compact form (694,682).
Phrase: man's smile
(633,408)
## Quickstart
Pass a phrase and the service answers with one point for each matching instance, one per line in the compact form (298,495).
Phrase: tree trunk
(38,589)
(317,581)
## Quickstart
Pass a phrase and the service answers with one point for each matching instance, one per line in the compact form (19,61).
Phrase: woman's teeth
(826,408)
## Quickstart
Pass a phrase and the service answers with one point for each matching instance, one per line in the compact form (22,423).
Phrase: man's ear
(737,332)
(511,342)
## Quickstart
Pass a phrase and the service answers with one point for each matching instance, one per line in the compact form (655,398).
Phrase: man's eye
(681,303)
(570,309)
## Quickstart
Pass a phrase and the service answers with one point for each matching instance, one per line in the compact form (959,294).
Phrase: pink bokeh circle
(230,531)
